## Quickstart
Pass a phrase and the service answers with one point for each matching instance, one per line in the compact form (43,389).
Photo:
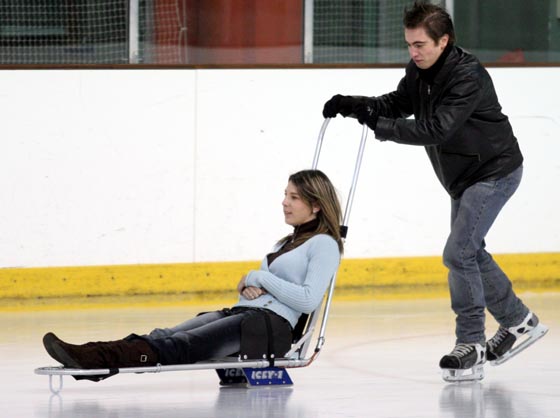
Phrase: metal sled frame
(232,370)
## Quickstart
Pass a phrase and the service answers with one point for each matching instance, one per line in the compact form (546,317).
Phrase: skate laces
(497,339)
(461,350)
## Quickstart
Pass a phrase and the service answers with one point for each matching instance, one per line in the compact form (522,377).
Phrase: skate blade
(463,375)
(530,338)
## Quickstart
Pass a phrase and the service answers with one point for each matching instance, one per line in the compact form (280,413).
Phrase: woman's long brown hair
(316,189)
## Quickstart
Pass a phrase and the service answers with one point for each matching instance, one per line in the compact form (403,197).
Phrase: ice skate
(464,363)
(508,342)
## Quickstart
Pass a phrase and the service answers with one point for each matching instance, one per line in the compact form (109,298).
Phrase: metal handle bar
(361,149)
(344,227)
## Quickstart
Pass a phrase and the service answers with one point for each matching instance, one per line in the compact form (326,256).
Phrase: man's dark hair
(434,19)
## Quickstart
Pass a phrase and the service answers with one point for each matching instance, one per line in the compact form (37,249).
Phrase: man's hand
(366,113)
(339,104)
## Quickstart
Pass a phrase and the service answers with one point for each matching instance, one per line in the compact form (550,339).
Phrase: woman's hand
(241,285)
(253,292)
(249,292)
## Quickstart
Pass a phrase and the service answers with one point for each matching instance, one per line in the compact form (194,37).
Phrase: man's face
(423,50)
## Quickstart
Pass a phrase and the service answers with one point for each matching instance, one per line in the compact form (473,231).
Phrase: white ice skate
(508,342)
(464,363)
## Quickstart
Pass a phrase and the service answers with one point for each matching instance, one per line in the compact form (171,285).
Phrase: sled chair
(233,370)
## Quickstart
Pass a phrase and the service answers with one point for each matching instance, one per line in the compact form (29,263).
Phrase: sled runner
(268,371)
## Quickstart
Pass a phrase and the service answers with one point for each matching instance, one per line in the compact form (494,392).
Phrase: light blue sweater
(296,281)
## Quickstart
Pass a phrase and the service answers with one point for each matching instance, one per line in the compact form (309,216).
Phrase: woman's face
(296,211)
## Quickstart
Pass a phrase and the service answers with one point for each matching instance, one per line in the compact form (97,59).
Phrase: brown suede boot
(101,355)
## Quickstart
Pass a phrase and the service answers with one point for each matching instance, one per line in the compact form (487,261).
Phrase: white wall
(126,167)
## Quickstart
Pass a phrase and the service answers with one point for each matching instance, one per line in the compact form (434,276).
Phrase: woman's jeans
(475,280)
(208,335)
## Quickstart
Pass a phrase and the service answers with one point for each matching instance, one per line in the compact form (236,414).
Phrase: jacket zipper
(429,107)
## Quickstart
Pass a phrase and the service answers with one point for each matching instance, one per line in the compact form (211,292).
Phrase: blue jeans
(475,280)
(208,335)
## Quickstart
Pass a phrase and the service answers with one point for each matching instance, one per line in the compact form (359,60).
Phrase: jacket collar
(428,75)
(448,65)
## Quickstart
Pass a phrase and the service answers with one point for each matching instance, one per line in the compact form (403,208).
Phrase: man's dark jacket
(457,118)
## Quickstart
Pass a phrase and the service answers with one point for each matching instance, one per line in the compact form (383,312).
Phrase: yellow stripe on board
(409,277)
(414,277)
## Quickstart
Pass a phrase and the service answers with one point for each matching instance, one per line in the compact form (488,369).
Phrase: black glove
(339,104)
(366,112)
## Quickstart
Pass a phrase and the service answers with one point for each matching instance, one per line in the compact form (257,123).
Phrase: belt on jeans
(237,309)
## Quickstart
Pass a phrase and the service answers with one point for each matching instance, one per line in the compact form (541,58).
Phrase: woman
(292,280)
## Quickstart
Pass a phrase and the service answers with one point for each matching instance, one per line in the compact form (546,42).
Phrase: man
(476,157)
